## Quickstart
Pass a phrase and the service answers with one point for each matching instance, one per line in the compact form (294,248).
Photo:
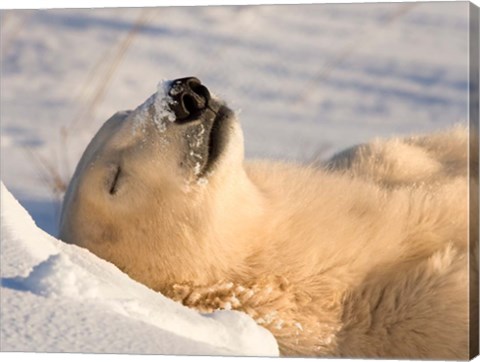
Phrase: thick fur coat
(365,256)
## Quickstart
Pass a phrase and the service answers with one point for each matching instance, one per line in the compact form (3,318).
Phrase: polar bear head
(156,190)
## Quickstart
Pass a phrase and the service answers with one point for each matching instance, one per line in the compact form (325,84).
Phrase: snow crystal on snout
(176,89)
(160,105)
(197,169)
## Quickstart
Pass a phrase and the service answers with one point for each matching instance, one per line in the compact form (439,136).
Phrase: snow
(161,101)
(311,80)
(59,297)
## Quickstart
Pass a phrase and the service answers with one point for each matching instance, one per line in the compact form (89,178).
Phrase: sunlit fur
(365,256)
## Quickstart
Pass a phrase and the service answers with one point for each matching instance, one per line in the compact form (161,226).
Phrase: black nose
(190,96)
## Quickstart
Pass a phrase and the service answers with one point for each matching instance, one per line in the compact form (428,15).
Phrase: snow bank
(59,297)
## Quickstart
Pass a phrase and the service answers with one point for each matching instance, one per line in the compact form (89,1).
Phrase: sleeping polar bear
(365,256)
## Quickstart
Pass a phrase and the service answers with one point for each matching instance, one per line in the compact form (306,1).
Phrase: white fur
(365,257)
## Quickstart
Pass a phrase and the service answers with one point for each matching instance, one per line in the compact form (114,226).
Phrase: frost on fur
(156,107)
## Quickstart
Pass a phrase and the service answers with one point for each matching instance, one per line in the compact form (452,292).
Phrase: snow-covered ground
(309,80)
(61,298)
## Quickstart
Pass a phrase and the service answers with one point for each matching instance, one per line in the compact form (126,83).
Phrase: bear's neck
(239,212)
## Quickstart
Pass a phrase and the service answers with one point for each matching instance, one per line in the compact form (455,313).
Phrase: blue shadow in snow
(15,283)
(46,214)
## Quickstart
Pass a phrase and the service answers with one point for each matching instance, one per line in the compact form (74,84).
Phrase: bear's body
(365,256)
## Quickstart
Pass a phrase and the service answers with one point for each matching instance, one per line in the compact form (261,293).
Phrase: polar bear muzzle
(206,120)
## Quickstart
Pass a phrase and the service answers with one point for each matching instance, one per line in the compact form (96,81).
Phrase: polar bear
(365,256)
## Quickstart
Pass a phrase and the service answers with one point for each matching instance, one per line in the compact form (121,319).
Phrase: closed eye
(113,186)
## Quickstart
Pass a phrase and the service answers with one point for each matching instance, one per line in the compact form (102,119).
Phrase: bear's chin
(212,131)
